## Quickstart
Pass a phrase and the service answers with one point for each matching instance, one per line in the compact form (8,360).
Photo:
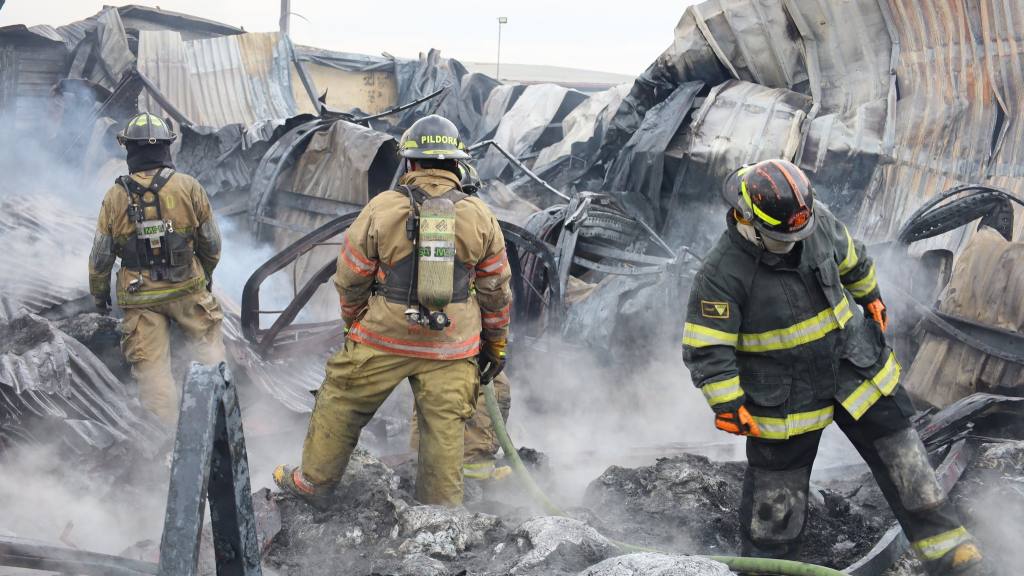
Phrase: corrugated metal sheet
(192,27)
(522,125)
(958,120)
(908,98)
(28,237)
(341,168)
(30,66)
(219,81)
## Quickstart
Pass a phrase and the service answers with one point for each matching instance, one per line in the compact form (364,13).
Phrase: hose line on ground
(735,563)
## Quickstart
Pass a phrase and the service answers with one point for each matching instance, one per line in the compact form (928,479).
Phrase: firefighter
(159,223)
(776,340)
(424,286)
(481,445)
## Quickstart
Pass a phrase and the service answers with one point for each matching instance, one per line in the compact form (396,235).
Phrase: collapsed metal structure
(623,180)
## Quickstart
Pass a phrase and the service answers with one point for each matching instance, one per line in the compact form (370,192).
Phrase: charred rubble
(607,196)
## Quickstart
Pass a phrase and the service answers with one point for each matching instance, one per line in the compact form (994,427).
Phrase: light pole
(497,72)
(284,24)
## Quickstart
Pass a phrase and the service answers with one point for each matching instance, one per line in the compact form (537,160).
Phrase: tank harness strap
(141,255)
(392,283)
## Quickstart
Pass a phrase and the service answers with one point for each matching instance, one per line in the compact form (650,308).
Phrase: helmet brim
(795,236)
(414,154)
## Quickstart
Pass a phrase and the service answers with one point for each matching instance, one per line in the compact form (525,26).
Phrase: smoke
(241,255)
(47,497)
(52,187)
(587,415)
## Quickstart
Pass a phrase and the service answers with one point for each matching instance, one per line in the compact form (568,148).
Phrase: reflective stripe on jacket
(784,334)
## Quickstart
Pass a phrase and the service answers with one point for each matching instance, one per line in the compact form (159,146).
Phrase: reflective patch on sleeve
(864,286)
(697,336)
(723,391)
(716,310)
(851,258)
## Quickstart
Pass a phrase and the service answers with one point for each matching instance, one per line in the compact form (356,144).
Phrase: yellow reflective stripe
(864,286)
(851,254)
(478,470)
(794,424)
(804,332)
(887,378)
(882,383)
(697,336)
(142,297)
(410,144)
(449,151)
(938,546)
(869,391)
(721,392)
(757,209)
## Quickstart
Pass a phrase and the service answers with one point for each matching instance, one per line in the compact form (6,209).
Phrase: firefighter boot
(291,481)
(485,469)
(964,560)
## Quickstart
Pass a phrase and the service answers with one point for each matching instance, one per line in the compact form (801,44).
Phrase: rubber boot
(291,481)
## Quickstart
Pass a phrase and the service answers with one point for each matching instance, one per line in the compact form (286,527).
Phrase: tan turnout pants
(359,379)
(146,344)
(481,442)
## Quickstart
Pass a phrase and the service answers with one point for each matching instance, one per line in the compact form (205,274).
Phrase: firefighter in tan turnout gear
(424,286)
(776,341)
(160,224)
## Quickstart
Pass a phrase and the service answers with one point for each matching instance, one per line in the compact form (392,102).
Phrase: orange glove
(739,422)
(876,309)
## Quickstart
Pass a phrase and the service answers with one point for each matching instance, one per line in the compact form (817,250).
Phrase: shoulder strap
(419,195)
(160,180)
(415,193)
(455,195)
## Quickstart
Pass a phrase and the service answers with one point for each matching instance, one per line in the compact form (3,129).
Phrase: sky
(622,37)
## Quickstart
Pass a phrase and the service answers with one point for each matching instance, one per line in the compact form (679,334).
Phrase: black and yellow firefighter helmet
(774,196)
(146,128)
(432,137)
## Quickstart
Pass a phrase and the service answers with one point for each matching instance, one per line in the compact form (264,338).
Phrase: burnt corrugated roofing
(219,81)
(177,20)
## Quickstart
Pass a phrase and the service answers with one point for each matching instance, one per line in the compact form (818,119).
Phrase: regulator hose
(735,563)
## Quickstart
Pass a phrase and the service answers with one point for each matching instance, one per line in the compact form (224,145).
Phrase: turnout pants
(146,344)
(481,442)
(359,379)
(773,510)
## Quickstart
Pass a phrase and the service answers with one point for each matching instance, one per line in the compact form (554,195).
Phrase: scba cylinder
(436,256)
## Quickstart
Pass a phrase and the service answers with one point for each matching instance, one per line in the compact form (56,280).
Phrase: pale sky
(622,37)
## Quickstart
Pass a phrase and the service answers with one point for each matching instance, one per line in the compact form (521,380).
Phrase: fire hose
(735,563)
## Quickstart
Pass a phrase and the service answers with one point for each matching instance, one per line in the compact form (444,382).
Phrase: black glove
(102,303)
(491,360)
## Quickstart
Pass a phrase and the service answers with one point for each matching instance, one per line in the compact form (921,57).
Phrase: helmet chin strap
(754,236)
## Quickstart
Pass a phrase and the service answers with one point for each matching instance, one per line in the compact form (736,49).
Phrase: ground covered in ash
(689,503)
(680,505)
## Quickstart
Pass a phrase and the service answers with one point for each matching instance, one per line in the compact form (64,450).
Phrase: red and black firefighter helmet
(775,197)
